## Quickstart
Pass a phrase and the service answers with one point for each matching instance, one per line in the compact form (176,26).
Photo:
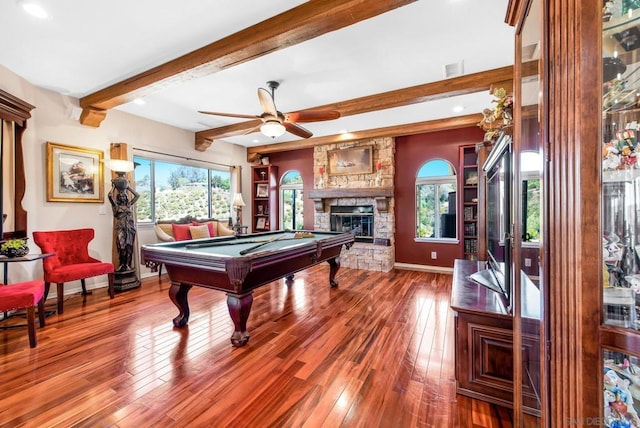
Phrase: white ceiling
(84,46)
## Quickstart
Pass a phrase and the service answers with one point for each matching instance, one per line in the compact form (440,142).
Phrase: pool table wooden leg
(334,265)
(178,295)
(239,309)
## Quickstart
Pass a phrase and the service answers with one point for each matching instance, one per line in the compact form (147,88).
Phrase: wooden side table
(28,258)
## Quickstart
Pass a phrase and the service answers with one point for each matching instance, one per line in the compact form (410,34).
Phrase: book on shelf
(469,213)
(470,229)
(470,246)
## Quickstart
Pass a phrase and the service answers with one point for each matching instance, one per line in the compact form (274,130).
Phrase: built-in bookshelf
(264,198)
(470,176)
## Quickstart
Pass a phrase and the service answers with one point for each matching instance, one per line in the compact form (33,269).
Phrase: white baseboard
(423,268)
(75,288)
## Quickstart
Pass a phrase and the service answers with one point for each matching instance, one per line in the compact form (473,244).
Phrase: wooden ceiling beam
(462,85)
(305,22)
(203,143)
(456,86)
(466,121)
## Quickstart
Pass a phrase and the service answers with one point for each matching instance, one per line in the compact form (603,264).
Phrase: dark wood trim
(13,109)
(515,11)
(20,185)
(617,339)
(307,21)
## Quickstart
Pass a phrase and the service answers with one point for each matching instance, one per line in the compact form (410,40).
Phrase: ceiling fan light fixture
(272,128)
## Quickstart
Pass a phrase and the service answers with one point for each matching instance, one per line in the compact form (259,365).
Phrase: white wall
(51,121)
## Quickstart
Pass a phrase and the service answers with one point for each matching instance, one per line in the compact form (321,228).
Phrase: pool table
(239,264)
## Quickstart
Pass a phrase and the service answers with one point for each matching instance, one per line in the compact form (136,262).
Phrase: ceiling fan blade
(297,130)
(267,103)
(240,116)
(245,128)
(312,116)
(252,129)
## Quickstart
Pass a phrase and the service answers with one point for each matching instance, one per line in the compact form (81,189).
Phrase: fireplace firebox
(354,218)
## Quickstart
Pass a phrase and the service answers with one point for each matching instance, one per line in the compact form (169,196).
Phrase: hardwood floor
(376,352)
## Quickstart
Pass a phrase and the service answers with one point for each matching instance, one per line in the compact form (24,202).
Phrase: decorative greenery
(494,121)
(12,243)
(14,247)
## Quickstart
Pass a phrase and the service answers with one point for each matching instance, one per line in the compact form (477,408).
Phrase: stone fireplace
(341,200)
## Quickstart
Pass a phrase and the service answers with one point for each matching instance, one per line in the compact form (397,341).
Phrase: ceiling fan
(275,123)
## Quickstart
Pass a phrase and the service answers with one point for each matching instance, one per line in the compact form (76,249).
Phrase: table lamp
(238,203)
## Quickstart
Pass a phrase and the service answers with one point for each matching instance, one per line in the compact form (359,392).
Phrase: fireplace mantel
(380,194)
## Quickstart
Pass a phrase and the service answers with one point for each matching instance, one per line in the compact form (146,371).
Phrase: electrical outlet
(527,262)
(434,255)
(102,210)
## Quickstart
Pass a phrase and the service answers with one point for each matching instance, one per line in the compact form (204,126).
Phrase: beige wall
(51,121)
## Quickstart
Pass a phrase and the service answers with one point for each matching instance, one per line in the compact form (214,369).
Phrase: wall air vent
(453,70)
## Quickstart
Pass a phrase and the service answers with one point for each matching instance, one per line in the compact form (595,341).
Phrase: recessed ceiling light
(139,101)
(34,9)
(343,131)
(458,109)
(256,141)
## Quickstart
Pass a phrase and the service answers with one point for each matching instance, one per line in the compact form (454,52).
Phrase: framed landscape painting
(74,174)
(355,160)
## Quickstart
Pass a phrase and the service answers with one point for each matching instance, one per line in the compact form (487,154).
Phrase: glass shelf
(620,166)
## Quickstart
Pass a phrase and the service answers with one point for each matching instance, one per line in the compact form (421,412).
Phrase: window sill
(438,240)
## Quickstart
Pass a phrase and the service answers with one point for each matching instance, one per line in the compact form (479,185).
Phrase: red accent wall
(301,161)
(411,153)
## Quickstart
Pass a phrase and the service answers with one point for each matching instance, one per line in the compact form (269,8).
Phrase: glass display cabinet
(590,206)
(620,192)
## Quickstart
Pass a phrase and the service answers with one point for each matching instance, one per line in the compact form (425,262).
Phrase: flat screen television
(497,170)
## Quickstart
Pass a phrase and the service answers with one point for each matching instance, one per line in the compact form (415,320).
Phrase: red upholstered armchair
(25,295)
(71,261)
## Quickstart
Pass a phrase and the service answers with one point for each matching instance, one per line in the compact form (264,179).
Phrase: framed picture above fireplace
(354,160)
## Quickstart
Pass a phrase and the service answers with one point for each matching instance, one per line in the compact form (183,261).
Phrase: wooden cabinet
(484,343)
(470,179)
(264,198)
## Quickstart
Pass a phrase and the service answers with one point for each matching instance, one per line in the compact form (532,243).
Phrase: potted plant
(16,247)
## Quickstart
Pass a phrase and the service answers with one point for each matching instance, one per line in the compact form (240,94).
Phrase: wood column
(575,260)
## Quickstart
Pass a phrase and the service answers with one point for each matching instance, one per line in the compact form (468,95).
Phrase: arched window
(436,201)
(291,205)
